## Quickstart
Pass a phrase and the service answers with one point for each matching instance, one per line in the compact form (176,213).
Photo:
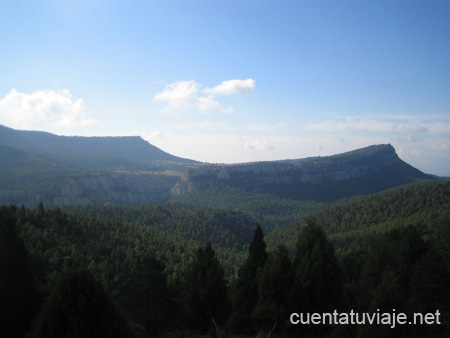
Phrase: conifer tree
(274,291)
(317,276)
(79,308)
(204,291)
(145,299)
(18,294)
(404,272)
(245,289)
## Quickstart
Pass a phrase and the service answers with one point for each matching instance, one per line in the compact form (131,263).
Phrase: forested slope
(105,153)
(326,179)
(271,211)
(357,223)
(108,240)
(97,276)
(39,167)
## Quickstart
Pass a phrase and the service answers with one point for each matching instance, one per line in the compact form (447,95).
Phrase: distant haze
(234,81)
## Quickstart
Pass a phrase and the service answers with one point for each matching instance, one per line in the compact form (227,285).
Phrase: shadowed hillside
(360,172)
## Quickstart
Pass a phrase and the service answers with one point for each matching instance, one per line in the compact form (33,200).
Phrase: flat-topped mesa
(93,152)
(371,169)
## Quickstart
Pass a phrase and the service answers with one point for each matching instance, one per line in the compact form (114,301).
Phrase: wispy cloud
(242,87)
(186,95)
(257,145)
(23,109)
(406,132)
(398,127)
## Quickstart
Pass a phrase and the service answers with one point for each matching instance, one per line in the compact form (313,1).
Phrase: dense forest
(177,271)
(355,224)
(271,211)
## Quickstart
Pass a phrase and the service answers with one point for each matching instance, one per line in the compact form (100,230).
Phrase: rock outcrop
(97,188)
(371,169)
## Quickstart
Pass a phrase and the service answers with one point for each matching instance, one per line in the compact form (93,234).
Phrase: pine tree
(79,308)
(317,275)
(145,299)
(245,289)
(274,291)
(204,291)
(18,294)
(404,272)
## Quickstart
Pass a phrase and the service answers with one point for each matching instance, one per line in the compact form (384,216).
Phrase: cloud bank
(396,128)
(22,109)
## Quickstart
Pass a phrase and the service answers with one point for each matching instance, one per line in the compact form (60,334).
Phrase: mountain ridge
(374,168)
(60,170)
(127,150)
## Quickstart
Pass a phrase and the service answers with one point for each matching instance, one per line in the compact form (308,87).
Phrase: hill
(396,257)
(57,170)
(104,153)
(278,193)
(360,172)
(356,224)
(60,170)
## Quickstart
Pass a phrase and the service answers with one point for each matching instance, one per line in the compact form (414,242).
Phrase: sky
(229,81)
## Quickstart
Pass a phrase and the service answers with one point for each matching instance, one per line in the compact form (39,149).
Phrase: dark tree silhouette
(18,295)
(244,295)
(204,291)
(79,308)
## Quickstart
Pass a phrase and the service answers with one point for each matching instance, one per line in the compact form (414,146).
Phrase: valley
(241,243)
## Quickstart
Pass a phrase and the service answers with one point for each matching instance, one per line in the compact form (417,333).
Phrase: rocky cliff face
(379,163)
(358,172)
(97,188)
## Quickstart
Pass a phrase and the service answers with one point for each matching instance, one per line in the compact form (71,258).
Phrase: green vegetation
(204,291)
(99,153)
(79,307)
(244,291)
(271,211)
(18,293)
(356,224)
(58,170)
(231,229)
(168,269)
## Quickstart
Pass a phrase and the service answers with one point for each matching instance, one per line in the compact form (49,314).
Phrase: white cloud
(207,104)
(442,147)
(242,87)
(186,95)
(343,140)
(409,132)
(420,140)
(396,128)
(22,109)
(257,145)
(180,94)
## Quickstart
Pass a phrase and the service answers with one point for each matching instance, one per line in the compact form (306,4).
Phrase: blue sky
(233,81)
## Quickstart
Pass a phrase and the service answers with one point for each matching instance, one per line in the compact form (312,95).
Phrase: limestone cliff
(361,171)
(96,188)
